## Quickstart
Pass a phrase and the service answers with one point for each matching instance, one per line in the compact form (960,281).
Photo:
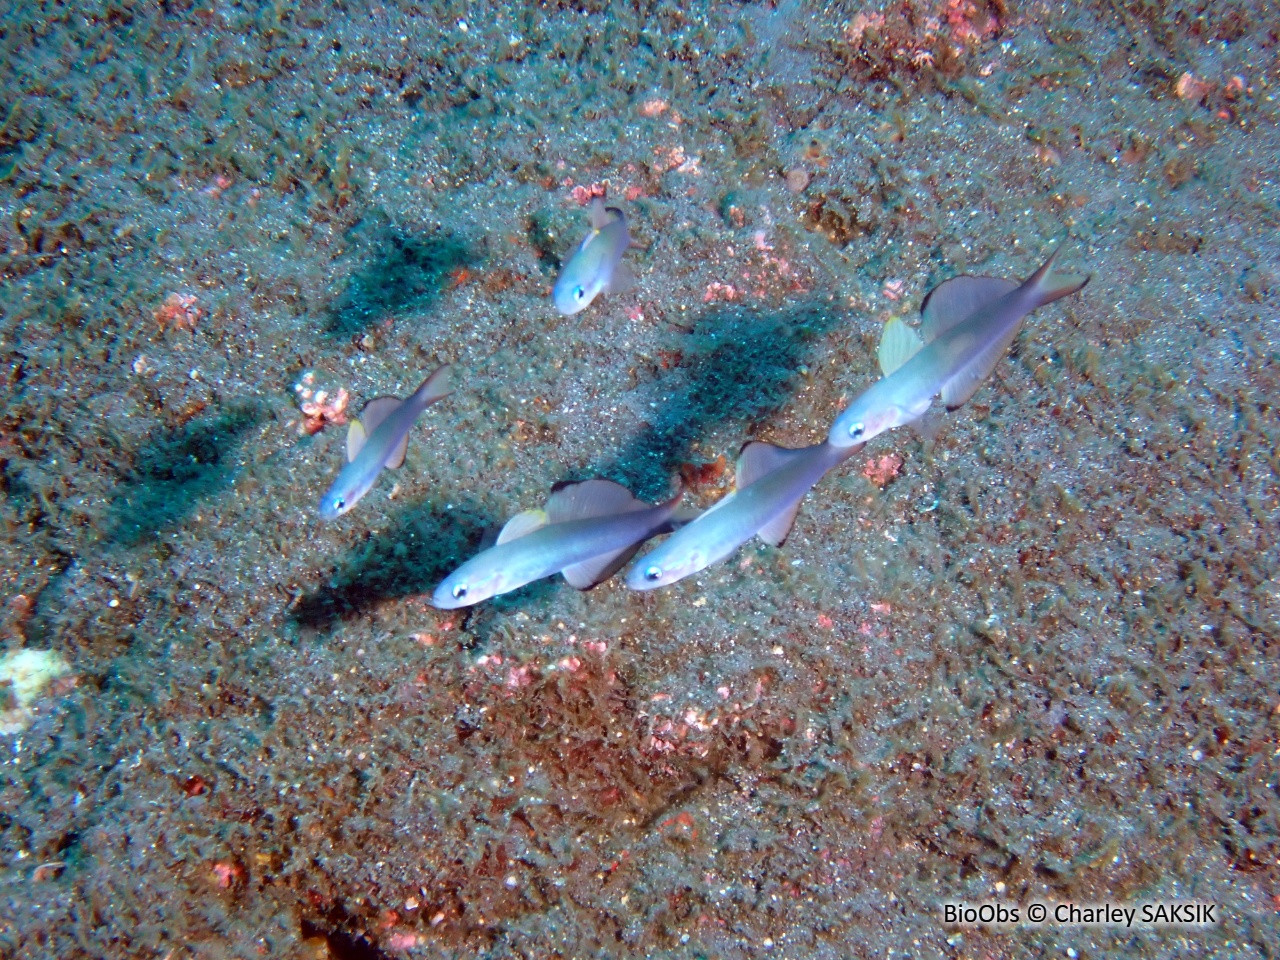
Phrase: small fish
(967,324)
(596,266)
(379,439)
(587,531)
(771,482)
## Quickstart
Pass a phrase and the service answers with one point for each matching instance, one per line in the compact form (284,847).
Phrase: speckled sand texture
(1027,655)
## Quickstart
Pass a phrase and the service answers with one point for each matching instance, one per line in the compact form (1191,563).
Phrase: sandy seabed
(1027,655)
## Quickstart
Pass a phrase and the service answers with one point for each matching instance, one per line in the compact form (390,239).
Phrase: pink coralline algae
(881,471)
(319,409)
(179,311)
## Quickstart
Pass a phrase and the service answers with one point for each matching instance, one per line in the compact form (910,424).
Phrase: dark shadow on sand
(418,550)
(401,271)
(734,366)
(174,471)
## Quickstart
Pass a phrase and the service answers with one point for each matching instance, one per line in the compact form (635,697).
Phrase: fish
(588,531)
(771,481)
(379,439)
(967,324)
(596,266)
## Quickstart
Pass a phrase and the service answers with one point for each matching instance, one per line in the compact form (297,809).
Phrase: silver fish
(587,531)
(967,325)
(596,266)
(771,482)
(379,439)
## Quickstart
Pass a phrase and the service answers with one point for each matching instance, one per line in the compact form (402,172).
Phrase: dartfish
(771,482)
(967,324)
(596,266)
(587,531)
(379,439)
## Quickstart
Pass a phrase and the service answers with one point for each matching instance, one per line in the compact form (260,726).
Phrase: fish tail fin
(438,384)
(1049,286)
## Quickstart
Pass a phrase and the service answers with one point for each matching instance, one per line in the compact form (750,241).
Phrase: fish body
(378,440)
(968,323)
(596,266)
(587,531)
(771,483)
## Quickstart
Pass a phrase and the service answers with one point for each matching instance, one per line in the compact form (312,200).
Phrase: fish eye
(653,573)
(340,503)
(459,591)
(857,430)
(579,293)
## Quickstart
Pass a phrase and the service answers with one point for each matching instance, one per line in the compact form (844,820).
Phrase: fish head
(580,281)
(663,567)
(336,502)
(470,584)
(863,420)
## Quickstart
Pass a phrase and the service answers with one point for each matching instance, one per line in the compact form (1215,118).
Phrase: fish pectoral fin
(777,530)
(927,425)
(621,281)
(964,383)
(356,437)
(683,516)
(590,573)
(522,524)
(956,300)
(898,344)
(589,498)
(758,459)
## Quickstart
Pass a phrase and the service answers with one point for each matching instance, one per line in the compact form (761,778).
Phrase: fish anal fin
(589,498)
(956,300)
(776,530)
(898,344)
(356,437)
(395,459)
(621,281)
(522,524)
(964,383)
(758,459)
(589,573)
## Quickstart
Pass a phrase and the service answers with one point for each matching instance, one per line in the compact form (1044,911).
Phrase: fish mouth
(442,599)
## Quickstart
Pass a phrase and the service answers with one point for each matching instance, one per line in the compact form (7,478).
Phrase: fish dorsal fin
(597,570)
(758,459)
(355,439)
(377,410)
(776,530)
(521,525)
(436,385)
(956,300)
(898,344)
(599,214)
(374,412)
(590,498)
(964,382)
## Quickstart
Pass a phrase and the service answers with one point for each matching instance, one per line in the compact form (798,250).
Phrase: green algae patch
(24,676)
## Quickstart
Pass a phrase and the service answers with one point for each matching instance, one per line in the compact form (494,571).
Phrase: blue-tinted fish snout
(333,506)
(572,298)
